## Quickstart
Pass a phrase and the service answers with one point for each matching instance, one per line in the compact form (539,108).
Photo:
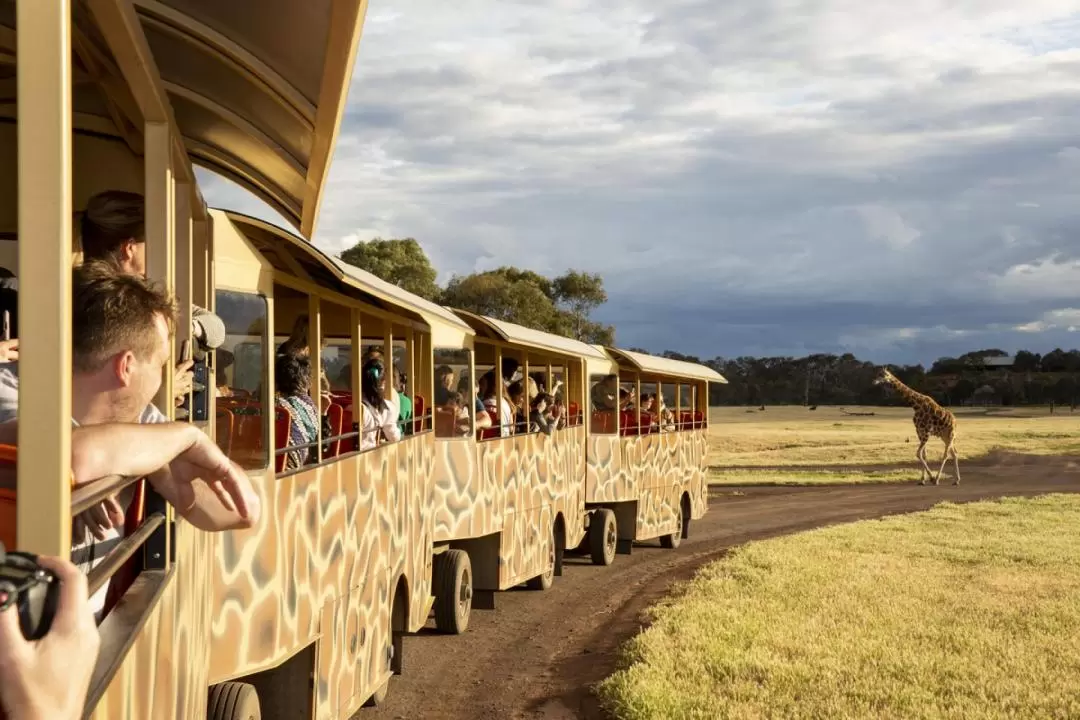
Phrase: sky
(757,177)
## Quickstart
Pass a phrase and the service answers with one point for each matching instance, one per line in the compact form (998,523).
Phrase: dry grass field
(793,445)
(962,611)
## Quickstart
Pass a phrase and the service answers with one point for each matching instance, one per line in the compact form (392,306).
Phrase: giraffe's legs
(921,455)
(956,463)
(944,459)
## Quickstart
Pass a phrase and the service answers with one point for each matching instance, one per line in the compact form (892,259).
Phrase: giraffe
(931,420)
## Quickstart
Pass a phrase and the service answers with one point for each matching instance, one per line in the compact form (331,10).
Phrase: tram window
(603,403)
(666,399)
(337,364)
(455,403)
(688,418)
(242,424)
(486,391)
(565,413)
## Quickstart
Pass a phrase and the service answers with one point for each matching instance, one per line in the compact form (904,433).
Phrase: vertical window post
(45,209)
(315,353)
(160,240)
(356,354)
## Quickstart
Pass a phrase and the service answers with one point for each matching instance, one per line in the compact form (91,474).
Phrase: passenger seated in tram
(605,394)
(112,229)
(380,415)
(541,419)
(292,380)
(121,328)
(451,394)
(375,352)
(488,394)
(455,404)
(405,405)
(516,393)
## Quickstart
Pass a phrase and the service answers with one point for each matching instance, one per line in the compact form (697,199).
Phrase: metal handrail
(85,497)
(102,572)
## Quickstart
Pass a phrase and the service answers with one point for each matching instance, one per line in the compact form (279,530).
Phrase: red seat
(492,431)
(335,417)
(575,414)
(282,425)
(445,423)
(603,422)
(418,413)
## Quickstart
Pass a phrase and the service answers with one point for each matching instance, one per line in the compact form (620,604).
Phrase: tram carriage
(304,613)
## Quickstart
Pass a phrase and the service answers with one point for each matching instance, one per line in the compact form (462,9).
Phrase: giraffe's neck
(912,398)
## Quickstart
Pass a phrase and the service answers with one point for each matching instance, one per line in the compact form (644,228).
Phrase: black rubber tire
(547,579)
(452,584)
(603,536)
(379,697)
(233,701)
(672,541)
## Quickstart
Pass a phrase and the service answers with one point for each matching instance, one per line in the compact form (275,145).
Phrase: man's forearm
(126,449)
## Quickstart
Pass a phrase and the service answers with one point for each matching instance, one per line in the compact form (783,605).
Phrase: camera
(33,590)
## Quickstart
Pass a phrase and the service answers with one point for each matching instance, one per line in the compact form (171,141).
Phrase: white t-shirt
(384,418)
(86,552)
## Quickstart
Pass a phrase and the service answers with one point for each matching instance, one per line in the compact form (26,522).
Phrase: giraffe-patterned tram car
(509,498)
(646,451)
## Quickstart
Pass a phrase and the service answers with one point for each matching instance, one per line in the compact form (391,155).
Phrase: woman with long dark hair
(380,415)
(292,380)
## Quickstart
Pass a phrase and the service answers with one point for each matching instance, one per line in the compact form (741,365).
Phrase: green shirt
(404,413)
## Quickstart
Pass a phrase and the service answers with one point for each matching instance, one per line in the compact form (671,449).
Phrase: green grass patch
(966,611)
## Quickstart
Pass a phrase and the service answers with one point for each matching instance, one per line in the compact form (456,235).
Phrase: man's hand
(101,518)
(9,350)
(205,462)
(48,679)
(183,380)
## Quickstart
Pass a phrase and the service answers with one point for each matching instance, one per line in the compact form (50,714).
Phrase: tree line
(972,378)
(563,306)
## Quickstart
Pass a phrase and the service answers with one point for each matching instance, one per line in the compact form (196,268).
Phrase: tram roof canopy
(256,89)
(521,335)
(666,366)
(302,259)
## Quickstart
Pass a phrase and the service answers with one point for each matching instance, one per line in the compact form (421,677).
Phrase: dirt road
(538,653)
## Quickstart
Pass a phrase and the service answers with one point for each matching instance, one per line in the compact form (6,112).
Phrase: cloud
(779,176)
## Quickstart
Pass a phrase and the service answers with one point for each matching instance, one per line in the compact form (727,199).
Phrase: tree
(504,294)
(528,298)
(1026,361)
(580,293)
(399,261)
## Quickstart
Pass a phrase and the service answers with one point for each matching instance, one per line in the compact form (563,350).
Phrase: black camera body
(32,589)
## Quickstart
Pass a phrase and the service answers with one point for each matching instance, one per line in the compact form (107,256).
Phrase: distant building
(997,363)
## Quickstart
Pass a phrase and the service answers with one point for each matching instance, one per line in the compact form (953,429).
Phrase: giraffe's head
(885,377)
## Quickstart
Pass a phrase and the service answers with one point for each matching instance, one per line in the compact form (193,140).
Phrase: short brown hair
(113,312)
(112,218)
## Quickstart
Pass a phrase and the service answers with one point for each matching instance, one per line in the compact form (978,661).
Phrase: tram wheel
(546,579)
(603,537)
(453,591)
(233,701)
(672,541)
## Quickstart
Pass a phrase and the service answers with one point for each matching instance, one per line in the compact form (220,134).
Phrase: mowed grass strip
(824,476)
(966,611)
(795,436)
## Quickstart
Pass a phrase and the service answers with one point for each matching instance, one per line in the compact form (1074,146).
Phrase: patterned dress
(302,430)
